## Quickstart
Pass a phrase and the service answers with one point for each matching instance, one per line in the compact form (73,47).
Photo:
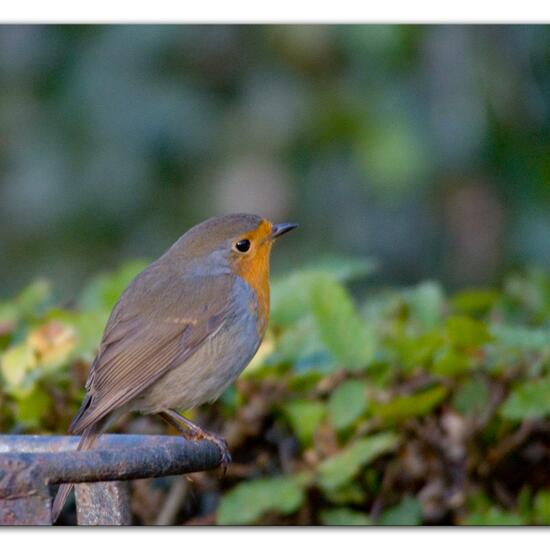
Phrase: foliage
(401,407)
(247,502)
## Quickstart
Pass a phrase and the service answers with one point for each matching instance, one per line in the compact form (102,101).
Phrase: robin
(183,330)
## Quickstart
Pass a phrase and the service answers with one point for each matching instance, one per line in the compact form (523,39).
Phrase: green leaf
(304,417)
(528,400)
(347,403)
(350,493)
(290,296)
(475,301)
(304,381)
(482,511)
(466,332)
(531,290)
(419,351)
(541,507)
(9,315)
(250,500)
(521,337)
(426,302)
(34,298)
(493,516)
(344,466)
(302,347)
(410,405)
(450,362)
(471,397)
(341,329)
(407,512)
(524,503)
(33,407)
(15,364)
(344,516)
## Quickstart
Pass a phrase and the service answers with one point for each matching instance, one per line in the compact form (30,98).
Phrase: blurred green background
(405,375)
(426,147)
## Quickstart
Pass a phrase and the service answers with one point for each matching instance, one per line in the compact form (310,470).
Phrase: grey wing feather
(140,346)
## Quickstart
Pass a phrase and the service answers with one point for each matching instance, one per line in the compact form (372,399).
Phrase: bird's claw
(224,450)
(226,455)
(198,434)
(192,432)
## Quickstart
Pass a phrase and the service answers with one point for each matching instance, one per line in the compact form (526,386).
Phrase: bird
(182,331)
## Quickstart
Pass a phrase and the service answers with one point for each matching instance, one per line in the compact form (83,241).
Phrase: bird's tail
(87,441)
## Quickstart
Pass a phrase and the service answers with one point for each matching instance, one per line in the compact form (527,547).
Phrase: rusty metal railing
(30,465)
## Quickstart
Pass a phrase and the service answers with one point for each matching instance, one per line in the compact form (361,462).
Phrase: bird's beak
(282,228)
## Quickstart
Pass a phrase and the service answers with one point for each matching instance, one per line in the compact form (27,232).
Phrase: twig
(173,502)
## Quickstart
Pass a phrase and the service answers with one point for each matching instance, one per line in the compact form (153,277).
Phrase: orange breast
(254,269)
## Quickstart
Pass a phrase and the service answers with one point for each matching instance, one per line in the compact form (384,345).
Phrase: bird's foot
(198,434)
(192,432)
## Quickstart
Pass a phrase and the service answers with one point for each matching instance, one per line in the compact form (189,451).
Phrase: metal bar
(32,510)
(30,464)
(55,443)
(24,498)
(117,457)
(19,477)
(103,503)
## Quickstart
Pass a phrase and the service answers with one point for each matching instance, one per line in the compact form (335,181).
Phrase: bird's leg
(190,430)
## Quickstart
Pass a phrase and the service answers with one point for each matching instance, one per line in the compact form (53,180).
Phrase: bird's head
(240,243)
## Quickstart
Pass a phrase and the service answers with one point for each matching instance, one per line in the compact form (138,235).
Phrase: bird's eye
(242,246)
